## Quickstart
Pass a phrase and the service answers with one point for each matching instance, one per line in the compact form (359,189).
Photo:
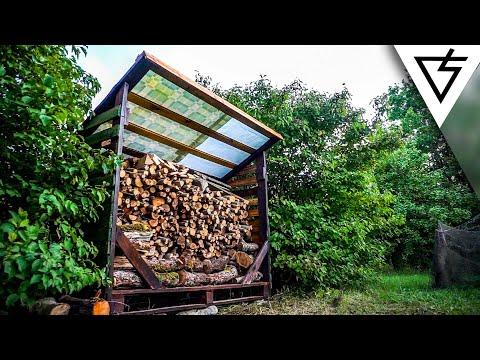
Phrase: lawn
(394,293)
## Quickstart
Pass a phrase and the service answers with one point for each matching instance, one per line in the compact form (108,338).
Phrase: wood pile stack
(188,227)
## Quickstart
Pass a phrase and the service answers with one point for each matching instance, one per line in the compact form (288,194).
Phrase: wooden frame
(249,178)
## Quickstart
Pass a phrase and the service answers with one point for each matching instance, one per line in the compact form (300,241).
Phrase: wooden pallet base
(156,301)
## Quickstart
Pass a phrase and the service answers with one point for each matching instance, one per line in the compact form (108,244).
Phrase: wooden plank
(186,289)
(103,117)
(253,201)
(178,118)
(253,212)
(264,232)
(102,135)
(246,192)
(117,145)
(238,300)
(140,130)
(145,272)
(165,309)
(209,96)
(250,169)
(242,182)
(256,264)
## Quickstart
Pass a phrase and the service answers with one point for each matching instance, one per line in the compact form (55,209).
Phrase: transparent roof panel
(163,92)
(238,131)
(184,134)
(146,145)
(205,166)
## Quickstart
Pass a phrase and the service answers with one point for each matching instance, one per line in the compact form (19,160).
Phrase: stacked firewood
(188,227)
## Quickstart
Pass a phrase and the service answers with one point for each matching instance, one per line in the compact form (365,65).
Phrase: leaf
(2,70)
(26,99)
(22,264)
(7,227)
(35,279)
(46,120)
(12,299)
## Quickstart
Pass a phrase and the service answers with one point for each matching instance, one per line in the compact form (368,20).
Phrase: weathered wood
(117,146)
(242,182)
(103,135)
(140,130)
(211,310)
(182,289)
(140,265)
(194,279)
(249,276)
(126,278)
(172,115)
(238,300)
(264,231)
(163,310)
(49,306)
(103,117)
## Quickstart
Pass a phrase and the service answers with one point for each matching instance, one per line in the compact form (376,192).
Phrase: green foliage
(49,186)
(325,207)
(423,174)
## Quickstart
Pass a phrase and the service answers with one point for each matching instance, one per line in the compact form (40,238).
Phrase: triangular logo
(440,73)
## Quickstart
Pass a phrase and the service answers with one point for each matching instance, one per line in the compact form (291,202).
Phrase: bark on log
(247,247)
(126,278)
(49,306)
(211,310)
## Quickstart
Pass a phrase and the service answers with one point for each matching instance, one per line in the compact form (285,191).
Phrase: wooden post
(117,305)
(117,146)
(262,181)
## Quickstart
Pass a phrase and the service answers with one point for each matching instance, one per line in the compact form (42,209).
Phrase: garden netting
(457,254)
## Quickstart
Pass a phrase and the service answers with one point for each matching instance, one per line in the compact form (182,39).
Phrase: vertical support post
(262,182)
(117,305)
(209,297)
(117,146)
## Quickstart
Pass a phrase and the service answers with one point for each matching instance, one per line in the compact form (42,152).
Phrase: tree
(50,185)
(325,205)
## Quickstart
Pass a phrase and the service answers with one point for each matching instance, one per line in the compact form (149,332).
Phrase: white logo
(440,73)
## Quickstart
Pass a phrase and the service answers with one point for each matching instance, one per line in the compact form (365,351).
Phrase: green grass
(394,293)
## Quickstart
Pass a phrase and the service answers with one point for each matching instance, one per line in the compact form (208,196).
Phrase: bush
(48,186)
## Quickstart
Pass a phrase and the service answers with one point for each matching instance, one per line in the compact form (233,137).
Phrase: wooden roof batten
(146,62)
(208,96)
(152,135)
(180,119)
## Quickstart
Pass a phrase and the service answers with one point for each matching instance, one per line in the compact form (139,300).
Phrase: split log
(243,259)
(49,306)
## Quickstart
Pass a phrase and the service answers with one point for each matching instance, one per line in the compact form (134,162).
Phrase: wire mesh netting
(457,254)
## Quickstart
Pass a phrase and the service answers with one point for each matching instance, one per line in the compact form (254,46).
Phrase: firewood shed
(154,109)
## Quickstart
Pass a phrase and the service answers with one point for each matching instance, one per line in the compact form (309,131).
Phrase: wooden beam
(140,130)
(262,179)
(242,182)
(145,272)
(164,309)
(102,135)
(117,146)
(209,97)
(178,118)
(183,289)
(103,117)
(256,264)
